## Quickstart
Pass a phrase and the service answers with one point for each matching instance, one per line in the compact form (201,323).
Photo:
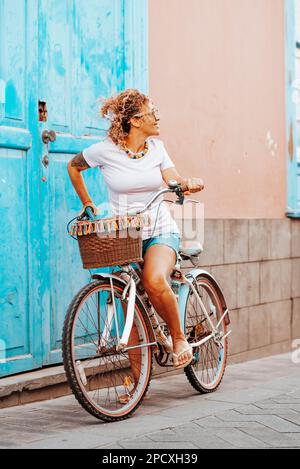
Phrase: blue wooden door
(59,58)
(20,286)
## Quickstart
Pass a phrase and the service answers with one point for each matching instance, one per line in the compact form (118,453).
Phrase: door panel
(56,51)
(101,58)
(14,322)
(82,53)
(13,60)
(20,310)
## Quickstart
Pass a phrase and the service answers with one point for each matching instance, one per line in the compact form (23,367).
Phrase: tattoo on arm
(79,162)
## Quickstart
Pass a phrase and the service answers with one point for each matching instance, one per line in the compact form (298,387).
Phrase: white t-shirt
(132,182)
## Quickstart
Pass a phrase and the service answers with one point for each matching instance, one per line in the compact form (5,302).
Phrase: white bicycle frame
(122,341)
(215,334)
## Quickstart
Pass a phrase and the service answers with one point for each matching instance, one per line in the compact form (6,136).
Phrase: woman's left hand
(191,185)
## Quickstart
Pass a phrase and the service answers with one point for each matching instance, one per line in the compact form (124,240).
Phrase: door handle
(48,136)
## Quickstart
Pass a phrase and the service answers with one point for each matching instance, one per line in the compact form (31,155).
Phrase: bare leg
(133,354)
(159,261)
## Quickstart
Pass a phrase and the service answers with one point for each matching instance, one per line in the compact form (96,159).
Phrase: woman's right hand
(190,185)
(88,204)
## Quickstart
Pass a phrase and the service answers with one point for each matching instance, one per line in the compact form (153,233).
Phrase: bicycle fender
(184,291)
(145,316)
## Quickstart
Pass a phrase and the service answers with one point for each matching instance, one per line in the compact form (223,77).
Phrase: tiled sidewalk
(257,406)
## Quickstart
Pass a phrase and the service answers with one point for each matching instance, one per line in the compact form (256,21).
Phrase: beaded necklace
(135,156)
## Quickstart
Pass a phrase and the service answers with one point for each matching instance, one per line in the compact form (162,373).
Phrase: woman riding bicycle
(134,165)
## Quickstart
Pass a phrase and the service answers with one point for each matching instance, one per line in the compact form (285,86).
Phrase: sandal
(125,398)
(187,362)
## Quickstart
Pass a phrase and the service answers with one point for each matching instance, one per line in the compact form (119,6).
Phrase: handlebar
(173,186)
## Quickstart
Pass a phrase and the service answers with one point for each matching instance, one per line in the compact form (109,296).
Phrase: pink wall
(217,76)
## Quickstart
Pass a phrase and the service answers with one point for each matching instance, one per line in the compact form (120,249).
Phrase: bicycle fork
(216,335)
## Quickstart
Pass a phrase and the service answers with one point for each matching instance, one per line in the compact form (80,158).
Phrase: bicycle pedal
(163,358)
(168,363)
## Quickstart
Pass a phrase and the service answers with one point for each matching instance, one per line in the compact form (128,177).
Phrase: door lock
(48,136)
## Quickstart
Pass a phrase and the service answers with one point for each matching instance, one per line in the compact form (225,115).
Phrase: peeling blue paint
(58,60)
(8,297)
(13,102)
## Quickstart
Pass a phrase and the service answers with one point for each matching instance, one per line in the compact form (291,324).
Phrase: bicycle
(112,333)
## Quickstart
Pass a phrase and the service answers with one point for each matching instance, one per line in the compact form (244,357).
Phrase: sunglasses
(153,113)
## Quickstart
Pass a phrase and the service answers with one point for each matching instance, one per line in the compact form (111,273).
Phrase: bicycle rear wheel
(108,383)
(207,369)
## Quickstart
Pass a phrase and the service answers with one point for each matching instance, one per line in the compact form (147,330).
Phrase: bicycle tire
(69,360)
(192,371)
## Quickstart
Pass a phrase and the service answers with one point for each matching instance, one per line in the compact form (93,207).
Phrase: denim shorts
(169,239)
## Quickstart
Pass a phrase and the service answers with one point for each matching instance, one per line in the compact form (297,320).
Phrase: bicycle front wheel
(207,369)
(109,383)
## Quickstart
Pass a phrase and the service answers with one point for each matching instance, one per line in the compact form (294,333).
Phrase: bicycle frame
(122,341)
(183,298)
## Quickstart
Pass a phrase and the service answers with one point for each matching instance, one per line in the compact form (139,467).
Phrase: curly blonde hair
(119,110)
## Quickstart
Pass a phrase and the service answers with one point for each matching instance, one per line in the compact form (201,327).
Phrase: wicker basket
(110,241)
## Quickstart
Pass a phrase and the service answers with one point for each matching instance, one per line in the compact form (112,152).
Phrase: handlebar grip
(89,212)
(184,187)
(173,184)
(181,186)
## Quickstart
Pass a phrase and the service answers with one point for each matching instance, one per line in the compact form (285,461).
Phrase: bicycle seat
(188,250)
